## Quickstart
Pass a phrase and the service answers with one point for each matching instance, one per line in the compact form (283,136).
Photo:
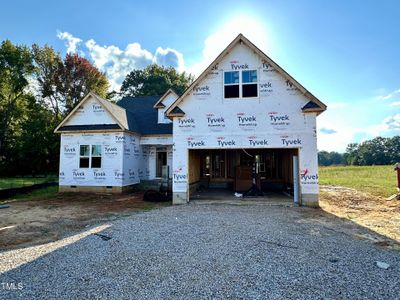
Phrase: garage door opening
(231,171)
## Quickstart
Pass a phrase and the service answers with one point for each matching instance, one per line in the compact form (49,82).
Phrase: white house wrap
(242,108)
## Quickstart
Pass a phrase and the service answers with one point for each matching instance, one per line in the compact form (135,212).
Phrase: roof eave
(313,110)
(96,131)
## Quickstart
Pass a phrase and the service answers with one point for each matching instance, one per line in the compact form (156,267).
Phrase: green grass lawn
(375,180)
(39,194)
(14,182)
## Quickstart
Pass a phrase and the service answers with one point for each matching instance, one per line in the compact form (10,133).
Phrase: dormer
(163,104)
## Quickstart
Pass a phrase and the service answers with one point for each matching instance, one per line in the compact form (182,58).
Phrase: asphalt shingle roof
(143,116)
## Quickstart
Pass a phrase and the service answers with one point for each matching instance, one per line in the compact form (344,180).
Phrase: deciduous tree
(77,77)
(15,68)
(155,80)
(48,64)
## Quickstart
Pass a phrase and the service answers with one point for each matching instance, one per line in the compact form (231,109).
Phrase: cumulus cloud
(169,57)
(71,42)
(343,134)
(327,131)
(116,63)
(392,122)
(390,95)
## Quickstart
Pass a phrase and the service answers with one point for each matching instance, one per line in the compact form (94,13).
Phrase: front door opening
(161,161)
(232,169)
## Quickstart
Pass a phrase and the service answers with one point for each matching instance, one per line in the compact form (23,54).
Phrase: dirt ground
(34,222)
(375,213)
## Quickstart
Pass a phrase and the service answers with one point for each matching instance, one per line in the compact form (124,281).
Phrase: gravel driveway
(206,251)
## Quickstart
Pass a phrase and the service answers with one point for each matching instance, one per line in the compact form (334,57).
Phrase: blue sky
(347,53)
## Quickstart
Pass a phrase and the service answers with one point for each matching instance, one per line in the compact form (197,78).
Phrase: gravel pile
(208,251)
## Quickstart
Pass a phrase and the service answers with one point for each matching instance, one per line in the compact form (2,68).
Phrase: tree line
(378,151)
(39,87)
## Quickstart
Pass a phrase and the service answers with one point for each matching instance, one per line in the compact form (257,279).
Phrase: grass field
(375,180)
(14,182)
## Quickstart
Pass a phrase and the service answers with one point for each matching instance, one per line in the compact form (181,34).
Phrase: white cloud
(396,103)
(71,42)
(389,96)
(346,133)
(116,63)
(169,57)
(327,130)
(392,123)
(337,140)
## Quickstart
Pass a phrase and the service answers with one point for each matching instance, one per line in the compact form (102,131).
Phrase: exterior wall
(272,120)
(123,161)
(91,112)
(111,171)
(133,159)
(127,158)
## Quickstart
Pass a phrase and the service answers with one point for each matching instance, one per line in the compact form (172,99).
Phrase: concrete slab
(224,196)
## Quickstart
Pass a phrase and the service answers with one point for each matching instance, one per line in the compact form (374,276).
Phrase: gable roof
(142,110)
(241,38)
(122,117)
(159,103)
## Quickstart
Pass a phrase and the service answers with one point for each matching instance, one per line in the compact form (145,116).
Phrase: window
(249,84)
(96,156)
(242,83)
(90,157)
(231,84)
(84,156)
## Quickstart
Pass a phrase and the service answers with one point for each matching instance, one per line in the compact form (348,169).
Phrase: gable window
(90,156)
(249,84)
(231,84)
(240,84)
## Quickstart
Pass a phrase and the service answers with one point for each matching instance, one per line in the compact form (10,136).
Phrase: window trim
(90,156)
(241,84)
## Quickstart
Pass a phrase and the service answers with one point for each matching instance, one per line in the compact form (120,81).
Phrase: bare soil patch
(373,212)
(38,221)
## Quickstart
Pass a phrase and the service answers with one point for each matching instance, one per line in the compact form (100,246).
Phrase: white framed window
(231,84)
(241,84)
(90,156)
(249,84)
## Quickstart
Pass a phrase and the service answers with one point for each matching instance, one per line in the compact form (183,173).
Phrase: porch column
(180,177)
(308,156)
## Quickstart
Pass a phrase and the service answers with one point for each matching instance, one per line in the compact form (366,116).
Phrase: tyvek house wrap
(274,119)
(124,162)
